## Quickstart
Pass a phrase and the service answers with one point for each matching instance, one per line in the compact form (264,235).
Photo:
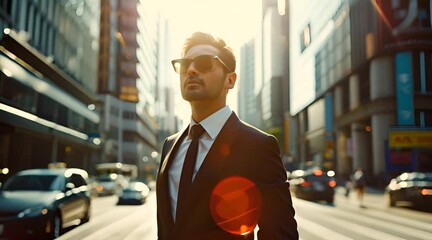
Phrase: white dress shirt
(213,125)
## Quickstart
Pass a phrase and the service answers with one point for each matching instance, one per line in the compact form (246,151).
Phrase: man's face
(209,86)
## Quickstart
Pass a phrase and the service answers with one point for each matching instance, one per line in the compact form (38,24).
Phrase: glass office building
(48,83)
(361,85)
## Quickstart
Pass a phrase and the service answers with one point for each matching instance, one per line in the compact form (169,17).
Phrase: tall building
(263,98)
(133,89)
(275,88)
(361,85)
(248,104)
(48,83)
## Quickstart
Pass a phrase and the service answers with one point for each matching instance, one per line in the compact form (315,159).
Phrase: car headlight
(33,212)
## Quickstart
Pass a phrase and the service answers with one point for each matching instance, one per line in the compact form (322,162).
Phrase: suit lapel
(163,179)
(170,155)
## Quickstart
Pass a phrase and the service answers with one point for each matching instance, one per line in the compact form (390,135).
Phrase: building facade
(264,77)
(361,86)
(129,82)
(48,83)
(248,103)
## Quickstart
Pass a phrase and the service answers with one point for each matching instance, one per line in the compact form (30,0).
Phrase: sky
(235,21)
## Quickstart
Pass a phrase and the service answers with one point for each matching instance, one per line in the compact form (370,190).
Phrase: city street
(100,98)
(343,220)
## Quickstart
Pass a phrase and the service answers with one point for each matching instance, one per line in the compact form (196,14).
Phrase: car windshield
(31,183)
(416,177)
(422,177)
(105,179)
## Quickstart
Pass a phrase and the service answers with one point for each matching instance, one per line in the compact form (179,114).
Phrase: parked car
(134,193)
(313,185)
(410,189)
(40,203)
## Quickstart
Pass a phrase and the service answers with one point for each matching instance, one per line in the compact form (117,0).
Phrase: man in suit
(228,148)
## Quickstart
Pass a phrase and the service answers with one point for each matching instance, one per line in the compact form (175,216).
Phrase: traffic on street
(113,121)
(316,220)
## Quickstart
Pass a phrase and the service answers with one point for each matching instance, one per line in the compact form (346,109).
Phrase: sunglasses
(202,63)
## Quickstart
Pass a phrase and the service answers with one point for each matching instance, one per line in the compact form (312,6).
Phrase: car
(134,193)
(313,185)
(410,189)
(41,203)
(110,184)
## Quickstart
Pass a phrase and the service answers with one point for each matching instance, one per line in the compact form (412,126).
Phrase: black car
(313,185)
(410,189)
(134,193)
(40,203)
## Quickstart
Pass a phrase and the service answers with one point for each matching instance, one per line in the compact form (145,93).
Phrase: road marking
(322,232)
(361,229)
(360,215)
(393,227)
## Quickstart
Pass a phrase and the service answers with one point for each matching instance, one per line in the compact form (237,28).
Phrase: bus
(128,171)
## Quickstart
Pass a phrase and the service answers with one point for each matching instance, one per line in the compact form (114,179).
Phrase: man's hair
(198,38)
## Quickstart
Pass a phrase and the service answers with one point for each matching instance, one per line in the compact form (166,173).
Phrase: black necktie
(189,162)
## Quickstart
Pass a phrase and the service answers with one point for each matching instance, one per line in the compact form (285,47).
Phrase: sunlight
(236,21)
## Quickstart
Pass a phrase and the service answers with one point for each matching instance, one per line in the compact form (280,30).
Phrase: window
(17,94)
(76,121)
(305,38)
(423,118)
(62,117)
(46,108)
(422,72)
(77,180)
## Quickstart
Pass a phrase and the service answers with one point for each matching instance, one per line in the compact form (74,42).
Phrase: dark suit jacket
(238,150)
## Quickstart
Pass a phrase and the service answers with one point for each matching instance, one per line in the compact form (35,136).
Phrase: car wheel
(87,215)
(390,200)
(56,225)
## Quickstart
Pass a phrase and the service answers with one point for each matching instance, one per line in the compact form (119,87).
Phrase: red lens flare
(235,204)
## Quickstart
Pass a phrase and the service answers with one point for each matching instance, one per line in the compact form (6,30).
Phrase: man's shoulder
(249,129)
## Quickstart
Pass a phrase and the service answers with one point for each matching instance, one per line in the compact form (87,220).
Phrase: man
(190,209)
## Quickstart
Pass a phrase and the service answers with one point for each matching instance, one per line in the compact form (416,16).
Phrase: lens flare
(235,204)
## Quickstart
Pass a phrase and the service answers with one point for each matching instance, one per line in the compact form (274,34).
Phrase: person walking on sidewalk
(359,184)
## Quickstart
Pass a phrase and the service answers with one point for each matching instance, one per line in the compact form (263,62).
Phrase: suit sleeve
(276,221)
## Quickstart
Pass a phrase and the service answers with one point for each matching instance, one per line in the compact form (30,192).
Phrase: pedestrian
(348,184)
(359,182)
(199,206)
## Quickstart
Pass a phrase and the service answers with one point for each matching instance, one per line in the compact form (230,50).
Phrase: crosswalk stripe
(321,231)
(361,229)
(401,220)
(360,215)
(386,225)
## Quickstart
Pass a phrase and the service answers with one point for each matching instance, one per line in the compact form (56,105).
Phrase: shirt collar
(214,123)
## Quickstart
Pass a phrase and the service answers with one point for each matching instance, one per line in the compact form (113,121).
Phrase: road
(347,220)
(117,222)
(318,221)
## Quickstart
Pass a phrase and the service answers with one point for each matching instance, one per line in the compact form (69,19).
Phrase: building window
(62,118)
(305,38)
(129,136)
(422,72)
(16,94)
(46,108)
(423,117)
(76,121)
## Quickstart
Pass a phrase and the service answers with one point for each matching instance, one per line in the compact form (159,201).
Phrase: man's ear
(231,80)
